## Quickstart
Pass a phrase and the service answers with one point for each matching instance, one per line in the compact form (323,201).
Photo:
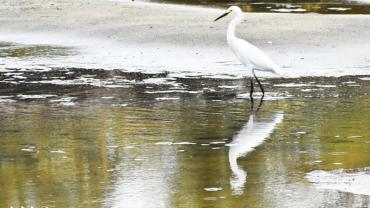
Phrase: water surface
(93,138)
(286,6)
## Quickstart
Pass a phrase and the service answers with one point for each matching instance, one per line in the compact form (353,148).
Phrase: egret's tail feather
(277,71)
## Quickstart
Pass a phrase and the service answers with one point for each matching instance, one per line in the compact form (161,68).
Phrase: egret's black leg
(259,83)
(251,92)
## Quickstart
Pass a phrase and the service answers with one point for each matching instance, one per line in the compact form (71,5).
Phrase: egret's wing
(250,54)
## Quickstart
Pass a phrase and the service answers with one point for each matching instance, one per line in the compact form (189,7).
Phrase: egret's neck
(232,26)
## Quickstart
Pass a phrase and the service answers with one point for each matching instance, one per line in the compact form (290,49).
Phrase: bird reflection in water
(253,134)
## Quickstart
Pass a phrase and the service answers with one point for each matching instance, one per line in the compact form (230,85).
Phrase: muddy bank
(89,85)
(184,40)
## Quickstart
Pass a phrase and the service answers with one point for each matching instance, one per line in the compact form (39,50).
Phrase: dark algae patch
(19,50)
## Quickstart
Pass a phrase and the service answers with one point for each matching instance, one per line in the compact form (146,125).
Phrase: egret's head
(233,9)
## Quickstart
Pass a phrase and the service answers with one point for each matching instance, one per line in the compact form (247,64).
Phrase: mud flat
(183,40)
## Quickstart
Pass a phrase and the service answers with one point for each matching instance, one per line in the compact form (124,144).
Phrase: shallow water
(286,6)
(95,138)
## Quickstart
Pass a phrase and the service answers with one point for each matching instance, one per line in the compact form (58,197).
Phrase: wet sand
(156,37)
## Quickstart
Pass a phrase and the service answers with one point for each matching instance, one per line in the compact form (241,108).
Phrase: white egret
(248,54)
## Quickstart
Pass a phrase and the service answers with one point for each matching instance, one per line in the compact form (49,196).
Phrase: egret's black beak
(223,15)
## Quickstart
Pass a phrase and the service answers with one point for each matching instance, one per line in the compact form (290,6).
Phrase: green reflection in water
(167,154)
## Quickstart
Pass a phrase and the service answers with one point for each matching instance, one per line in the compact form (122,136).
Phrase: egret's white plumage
(248,54)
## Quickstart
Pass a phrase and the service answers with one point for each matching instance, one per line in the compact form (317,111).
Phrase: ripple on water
(268,96)
(284,10)
(6,99)
(298,85)
(172,91)
(213,189)
(167,98)
(163,143)
(40,96)
(365,78)
(64,101)
(339,9)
